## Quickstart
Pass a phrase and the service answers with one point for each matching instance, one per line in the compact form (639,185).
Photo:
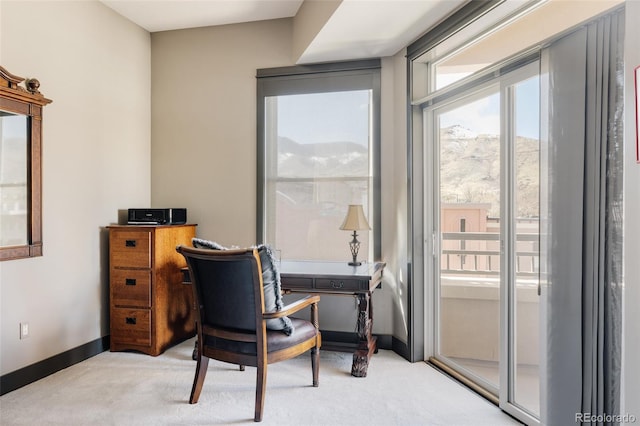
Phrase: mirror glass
(14,197)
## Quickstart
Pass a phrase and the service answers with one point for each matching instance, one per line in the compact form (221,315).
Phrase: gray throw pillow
(271,282)
(200,243)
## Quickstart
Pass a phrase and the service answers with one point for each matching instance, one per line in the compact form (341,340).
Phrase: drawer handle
(130,243)
(130,320)
(130,281)
(337,284)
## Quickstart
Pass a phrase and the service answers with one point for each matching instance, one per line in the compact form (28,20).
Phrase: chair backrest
(227,287)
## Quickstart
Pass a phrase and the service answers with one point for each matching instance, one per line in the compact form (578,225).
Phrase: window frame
(29,102)
(320,78)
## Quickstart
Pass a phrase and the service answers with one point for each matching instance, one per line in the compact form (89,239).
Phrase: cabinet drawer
(296,283)
(131,287)
(337,284)
(131,326)
(130,249)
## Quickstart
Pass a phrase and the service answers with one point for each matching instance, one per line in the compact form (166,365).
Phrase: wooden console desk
(338,278)
(341,279)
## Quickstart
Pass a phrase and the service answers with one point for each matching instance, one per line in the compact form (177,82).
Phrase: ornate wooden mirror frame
(16,101)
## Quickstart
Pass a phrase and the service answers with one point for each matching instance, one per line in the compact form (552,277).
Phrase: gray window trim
(318,78)
(417,299)
(459,19)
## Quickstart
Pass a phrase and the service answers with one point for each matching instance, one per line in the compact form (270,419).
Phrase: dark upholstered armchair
(232,320)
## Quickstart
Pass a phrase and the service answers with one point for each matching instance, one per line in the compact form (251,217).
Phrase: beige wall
(203,122)
(394,192)
(311,17)
(95,66)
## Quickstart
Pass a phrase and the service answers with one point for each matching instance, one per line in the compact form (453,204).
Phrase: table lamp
(355,221)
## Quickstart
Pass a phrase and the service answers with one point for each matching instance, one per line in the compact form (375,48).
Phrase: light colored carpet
(124,388)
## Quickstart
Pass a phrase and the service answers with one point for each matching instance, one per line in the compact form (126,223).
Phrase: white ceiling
(358,28)
(163,15)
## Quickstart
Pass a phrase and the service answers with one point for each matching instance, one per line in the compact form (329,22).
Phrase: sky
(483,115)
(344,116)
(325,117)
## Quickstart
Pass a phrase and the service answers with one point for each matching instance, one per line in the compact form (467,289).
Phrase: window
(486,155)
(497,35)
(318,152)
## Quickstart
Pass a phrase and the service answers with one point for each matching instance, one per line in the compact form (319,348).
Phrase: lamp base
(354,246)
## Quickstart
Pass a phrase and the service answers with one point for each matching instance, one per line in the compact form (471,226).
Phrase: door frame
(431,224)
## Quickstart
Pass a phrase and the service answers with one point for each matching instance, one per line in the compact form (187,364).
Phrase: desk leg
(366,342)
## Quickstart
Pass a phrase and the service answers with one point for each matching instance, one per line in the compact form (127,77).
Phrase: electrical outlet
(24,330)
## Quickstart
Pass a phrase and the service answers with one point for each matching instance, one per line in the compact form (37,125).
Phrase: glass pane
(469,150)
(13,179)
(318,163)
(527,253)
(470,51)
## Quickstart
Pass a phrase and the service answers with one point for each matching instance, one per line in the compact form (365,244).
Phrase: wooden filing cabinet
(150,308)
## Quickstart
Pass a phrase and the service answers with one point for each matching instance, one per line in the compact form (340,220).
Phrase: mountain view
(470,166)
(327,159)
(470,170)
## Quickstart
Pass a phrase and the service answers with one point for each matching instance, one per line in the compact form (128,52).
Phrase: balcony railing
(478,253)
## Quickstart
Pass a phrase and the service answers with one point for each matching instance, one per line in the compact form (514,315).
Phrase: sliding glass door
(485,157)
(524,255)
(468,134)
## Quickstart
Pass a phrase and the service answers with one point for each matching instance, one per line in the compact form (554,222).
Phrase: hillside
(470,170)
(321,159)
(470,166)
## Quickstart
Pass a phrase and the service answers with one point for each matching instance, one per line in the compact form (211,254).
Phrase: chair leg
(261,385)
(315,365)
(198,380)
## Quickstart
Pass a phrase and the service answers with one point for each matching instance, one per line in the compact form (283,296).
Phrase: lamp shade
(355,219)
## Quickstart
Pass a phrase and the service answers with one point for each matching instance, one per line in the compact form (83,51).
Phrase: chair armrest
(292,307)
